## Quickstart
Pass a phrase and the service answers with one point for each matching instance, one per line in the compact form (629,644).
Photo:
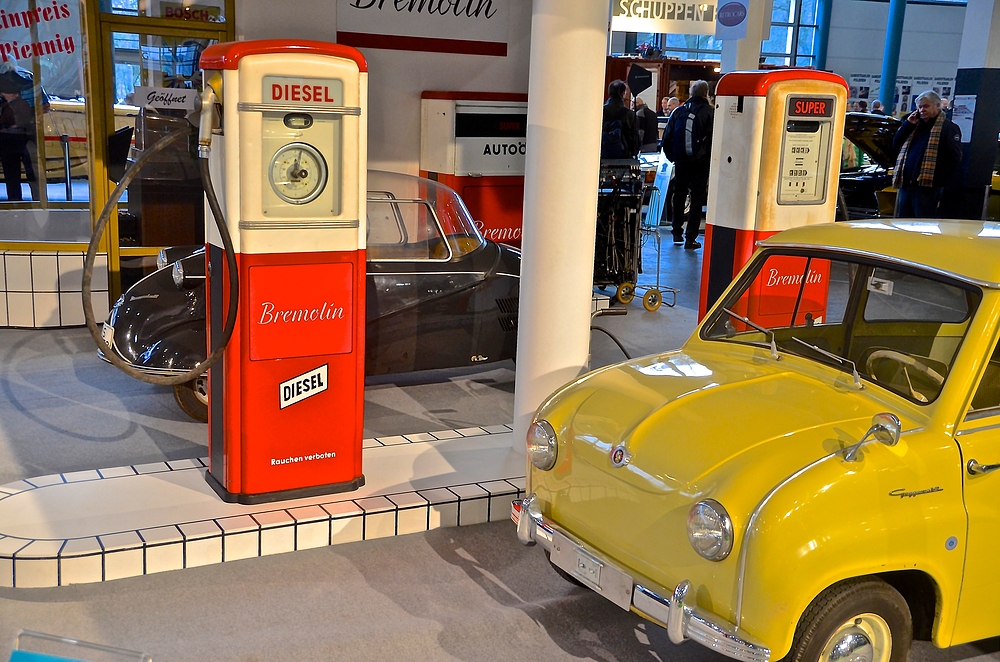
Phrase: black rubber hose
(227,242)
(617,342)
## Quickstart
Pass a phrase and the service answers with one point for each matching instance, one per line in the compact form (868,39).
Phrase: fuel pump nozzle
(206,120)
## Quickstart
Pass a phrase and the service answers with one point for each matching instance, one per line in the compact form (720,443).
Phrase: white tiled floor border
(269,529)
(42,289)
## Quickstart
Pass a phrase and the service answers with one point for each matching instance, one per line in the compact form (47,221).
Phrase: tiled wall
(44,288)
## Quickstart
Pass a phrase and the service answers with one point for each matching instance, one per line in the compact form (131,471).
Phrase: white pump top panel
(776,149)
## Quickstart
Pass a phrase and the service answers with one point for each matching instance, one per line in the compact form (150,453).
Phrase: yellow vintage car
(811,476)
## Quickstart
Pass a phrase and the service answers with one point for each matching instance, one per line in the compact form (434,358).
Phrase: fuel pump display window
(805,150)
(298,173)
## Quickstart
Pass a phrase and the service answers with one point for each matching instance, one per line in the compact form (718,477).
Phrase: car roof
(967,250)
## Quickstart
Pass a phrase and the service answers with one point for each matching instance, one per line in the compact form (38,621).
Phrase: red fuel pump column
(286,402)
(775,165)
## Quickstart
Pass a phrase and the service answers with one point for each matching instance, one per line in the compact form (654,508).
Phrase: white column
(565,94)
(744,54)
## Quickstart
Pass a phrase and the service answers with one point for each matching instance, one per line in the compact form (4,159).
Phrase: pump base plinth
(282,495)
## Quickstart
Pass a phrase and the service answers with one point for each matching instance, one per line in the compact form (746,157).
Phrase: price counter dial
(298,173)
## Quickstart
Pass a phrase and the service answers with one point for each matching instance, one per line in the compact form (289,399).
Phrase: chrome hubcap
(864,638)
(201,389)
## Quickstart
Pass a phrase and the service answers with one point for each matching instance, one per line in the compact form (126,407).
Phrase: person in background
(687,141)
(649,138)
(615,111)
(946,107)
(667,105)
(877,107)
(17,123)
(861,106)
(929,148)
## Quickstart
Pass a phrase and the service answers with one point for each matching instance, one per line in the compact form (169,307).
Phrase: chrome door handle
(977,469)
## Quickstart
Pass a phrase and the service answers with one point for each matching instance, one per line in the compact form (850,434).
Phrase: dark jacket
(614,109)
(949,161)
(649,132)
(704,120)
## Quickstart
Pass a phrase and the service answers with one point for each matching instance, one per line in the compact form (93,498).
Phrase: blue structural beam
(823,10)
(890,58)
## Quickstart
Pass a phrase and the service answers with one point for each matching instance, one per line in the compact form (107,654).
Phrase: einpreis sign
(662,16)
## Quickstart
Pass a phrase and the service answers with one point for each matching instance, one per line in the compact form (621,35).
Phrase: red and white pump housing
(286,402)
(776,148)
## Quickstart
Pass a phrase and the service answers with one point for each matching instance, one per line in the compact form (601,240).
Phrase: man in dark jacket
(649,138)
(615,110)
(689,146)
(929,148)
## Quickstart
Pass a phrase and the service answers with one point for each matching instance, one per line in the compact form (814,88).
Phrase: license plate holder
(592,571)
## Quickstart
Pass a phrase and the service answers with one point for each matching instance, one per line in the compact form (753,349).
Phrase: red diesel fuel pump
(283,129)
(286,406)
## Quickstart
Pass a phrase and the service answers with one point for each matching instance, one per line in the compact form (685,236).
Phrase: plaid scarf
(929,160)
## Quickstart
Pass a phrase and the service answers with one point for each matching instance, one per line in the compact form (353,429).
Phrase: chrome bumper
(682,621)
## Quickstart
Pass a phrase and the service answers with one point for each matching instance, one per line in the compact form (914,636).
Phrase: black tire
(565,575)
(865,605)
(192,397)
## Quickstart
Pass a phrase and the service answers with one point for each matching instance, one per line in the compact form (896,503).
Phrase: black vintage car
(865,186)
(438,294)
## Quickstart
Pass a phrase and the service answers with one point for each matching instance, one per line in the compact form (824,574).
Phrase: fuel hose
(227,243)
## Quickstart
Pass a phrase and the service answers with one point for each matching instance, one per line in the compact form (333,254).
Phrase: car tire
(565,575)
(192,397)
(854,613)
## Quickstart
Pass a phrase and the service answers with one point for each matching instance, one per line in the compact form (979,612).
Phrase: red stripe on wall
(428,44)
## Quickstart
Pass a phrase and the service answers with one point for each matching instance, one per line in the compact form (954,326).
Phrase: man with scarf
(929,148)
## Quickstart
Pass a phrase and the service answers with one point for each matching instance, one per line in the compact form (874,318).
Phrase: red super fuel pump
(290,153)
(775,165)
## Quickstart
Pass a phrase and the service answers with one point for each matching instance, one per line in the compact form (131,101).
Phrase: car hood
(873,134)
(689,417)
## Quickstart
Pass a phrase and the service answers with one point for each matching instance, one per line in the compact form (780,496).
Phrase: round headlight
(542,445)
(178,274)
(710,530)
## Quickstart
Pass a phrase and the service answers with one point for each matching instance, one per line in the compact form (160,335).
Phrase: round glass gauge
(298,173)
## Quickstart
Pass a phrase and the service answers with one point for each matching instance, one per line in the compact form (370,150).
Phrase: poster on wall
(661,16)
(425,25)
(48,35)
(945,87)
(963,113)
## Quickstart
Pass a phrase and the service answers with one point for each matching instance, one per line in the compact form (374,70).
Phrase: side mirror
(886,428)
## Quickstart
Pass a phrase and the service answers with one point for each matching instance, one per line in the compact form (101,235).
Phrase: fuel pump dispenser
(286,400)
(775,165)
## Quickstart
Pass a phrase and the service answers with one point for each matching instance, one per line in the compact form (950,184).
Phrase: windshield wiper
(774,345)
(831,355)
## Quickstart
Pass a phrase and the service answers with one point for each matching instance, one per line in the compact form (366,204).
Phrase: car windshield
(898,327)
(411,218)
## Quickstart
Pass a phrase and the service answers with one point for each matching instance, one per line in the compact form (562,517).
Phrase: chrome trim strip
(481,274)
(247,107)
(681,621)
(299,225)
(884,258)
(165,372)
(982,428)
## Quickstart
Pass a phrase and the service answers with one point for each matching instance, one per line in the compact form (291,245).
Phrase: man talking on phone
(929,148)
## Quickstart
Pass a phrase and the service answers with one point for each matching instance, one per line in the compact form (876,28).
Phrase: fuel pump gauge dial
(298,173)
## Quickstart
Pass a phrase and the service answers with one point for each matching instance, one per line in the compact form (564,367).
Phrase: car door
(979,438)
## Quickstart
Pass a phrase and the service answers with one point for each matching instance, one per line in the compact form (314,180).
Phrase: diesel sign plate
(304,386)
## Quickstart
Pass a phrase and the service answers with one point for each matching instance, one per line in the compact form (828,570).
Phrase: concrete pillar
(744,54)
(978,74)
(824,10)
(565,95)
(890,55)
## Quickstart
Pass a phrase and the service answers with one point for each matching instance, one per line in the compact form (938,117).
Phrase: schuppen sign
(425,25)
